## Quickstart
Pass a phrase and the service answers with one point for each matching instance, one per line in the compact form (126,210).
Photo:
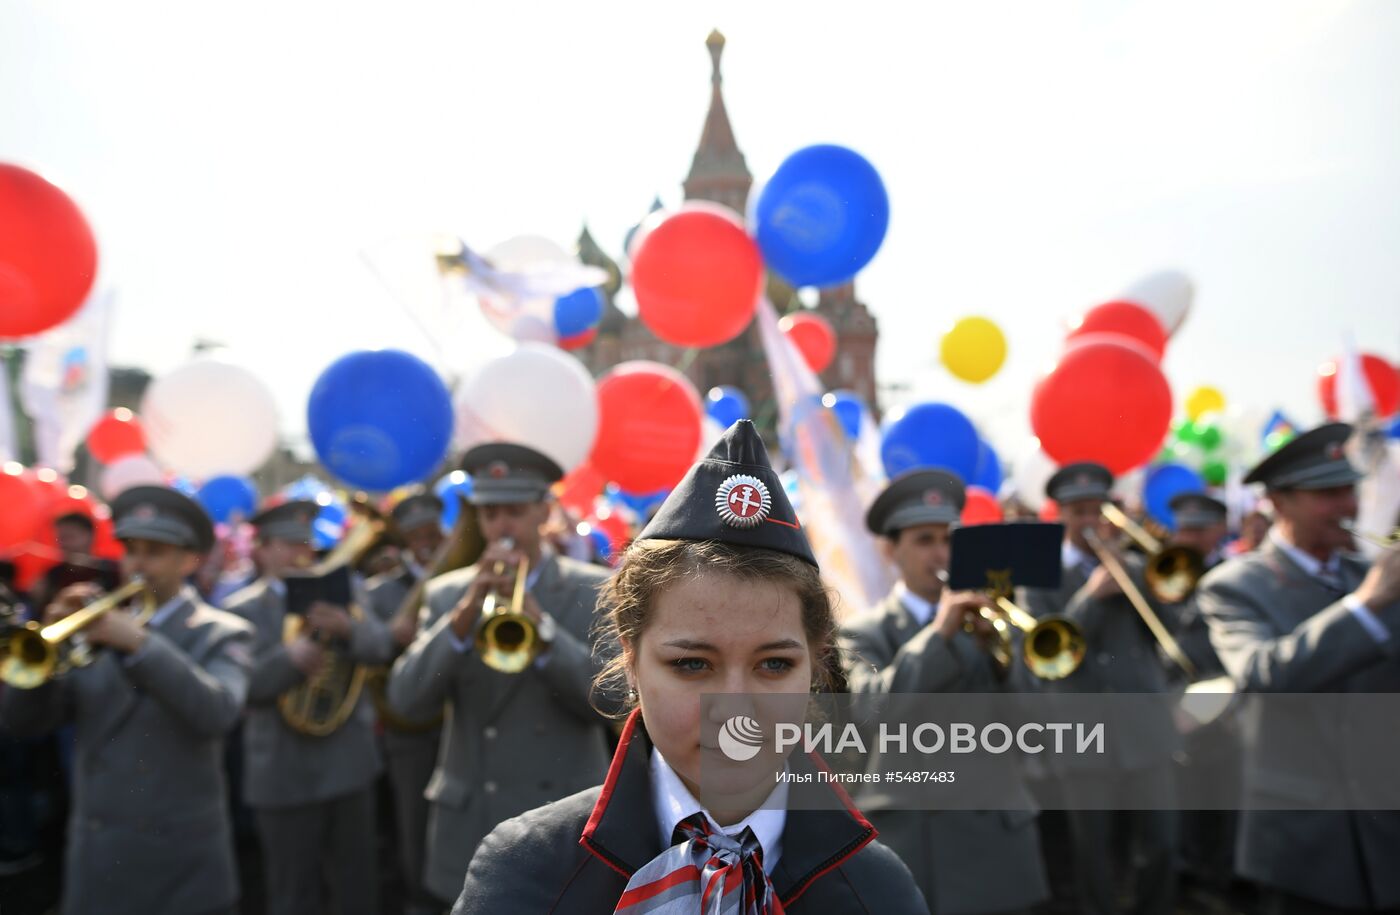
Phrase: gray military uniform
(1278,629)
(313,795)
(513,742)
(149,829)
(411,755)
(964,861)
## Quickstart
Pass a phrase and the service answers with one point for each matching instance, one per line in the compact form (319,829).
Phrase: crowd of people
(533,717)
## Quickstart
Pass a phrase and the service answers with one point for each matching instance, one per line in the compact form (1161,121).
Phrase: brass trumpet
(1384,541)
(34,654)
(1172,571)
(506,638)
(1052,649)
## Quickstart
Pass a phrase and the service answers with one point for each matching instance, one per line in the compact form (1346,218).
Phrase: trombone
(34,654)
(1172,571)
(507,639)
(1136,598)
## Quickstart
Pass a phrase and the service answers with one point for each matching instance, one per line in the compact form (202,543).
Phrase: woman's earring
(632,695)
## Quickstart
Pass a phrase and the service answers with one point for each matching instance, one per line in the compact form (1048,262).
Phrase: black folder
(1004,556)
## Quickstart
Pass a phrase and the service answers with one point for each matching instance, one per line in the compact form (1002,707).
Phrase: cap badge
(743,501)
(933,497)
(144,512)
(497,470)
(1336,451)
(1083,479)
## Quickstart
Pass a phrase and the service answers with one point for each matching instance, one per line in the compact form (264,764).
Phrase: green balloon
(1185,431)
(1215,471)
(1208,436)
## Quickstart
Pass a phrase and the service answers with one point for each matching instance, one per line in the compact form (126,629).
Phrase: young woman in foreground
(719,595)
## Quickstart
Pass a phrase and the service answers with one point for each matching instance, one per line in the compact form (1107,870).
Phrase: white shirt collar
(673,802)
(164,611)
(1072,557)
(920,609)
(276,586)
(1306,561)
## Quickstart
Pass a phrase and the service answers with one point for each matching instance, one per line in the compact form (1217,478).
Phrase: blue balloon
(727,405)
(849,409)
(930,435)
(641,503)
(1163,483)
(988,475)
(308,487)
(225,496)
(380,419)
(1394,430)
(822,216)
(578,312)
(452,489)
(602,545)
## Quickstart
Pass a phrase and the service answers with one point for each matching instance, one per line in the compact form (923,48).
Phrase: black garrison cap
(732,496)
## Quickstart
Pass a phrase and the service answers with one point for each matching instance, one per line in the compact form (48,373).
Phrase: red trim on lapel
(870,833)
(609,783)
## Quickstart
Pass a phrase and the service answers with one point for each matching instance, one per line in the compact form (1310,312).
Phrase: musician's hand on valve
(955,607)
(1381,586)
(329,620)
(70,600)
(307,656)
(403,629)
(118,630)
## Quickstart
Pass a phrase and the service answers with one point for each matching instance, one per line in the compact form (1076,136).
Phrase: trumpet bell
(1053,649)
(508,642)
(30,661)
(1172,573)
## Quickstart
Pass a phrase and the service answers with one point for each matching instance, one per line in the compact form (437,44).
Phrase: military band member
(720,594)
(515,740)
(411,754)
(1200,525)
(965,861)
(148,829)
(313,795)
(1121,658)
(1306,614)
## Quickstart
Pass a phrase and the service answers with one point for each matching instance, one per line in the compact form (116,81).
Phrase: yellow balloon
(1203,400)
(973,350)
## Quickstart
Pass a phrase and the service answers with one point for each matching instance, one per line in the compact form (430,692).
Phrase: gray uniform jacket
(1121,657)
(575,856)
(283,767)
(1278,629)
(512,742)
(963,860)
(149,828)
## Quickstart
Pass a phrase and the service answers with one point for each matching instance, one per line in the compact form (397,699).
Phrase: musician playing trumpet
(522,730)
(965,861)
(149,830)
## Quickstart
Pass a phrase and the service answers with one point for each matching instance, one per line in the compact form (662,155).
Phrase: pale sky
(236,158)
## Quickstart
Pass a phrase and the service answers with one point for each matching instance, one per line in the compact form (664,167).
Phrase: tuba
(318,706)
(461,548)
(33,654)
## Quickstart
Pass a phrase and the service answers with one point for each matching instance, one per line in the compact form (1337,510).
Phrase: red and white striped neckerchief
(706,873)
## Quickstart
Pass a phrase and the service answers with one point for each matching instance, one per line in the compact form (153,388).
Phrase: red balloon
(578,341)
(981,507)
(47,485)
(1127,319)
(48,257)
(1050,511)
(579,488)
(813,337)
(1382,378)
(697,277)
(105,544)
(1103,402)
(648,426)
(23,507)
(30,565)
(116,435)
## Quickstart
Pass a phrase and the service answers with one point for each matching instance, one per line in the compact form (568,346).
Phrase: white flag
(9,445)
(64,387)
(1354,401)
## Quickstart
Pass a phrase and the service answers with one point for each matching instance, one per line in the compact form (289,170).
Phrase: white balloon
(209,417)
(132,470)
(1031,474)
(1168,294)
(538,396)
